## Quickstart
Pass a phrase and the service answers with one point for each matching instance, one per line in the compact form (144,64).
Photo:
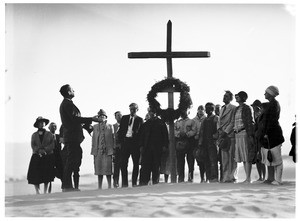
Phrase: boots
(76,181)
(108,177)
(100,180)
(166,178)
(191,177)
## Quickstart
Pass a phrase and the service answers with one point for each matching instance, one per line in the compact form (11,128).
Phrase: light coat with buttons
(108,137)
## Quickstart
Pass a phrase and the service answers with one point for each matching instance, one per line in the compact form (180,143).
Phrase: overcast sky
(86,46)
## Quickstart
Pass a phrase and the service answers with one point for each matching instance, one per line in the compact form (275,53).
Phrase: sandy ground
(255,200)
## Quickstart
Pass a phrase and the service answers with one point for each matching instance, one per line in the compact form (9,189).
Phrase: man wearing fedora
(73,136)
(129,138)
(225,129)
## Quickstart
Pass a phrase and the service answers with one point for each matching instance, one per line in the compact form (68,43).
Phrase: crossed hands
(42,152)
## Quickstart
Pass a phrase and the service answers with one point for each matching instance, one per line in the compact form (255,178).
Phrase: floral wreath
(185,101)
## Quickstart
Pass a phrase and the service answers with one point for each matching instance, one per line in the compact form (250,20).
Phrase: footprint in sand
(96,207)
(254,209)
(161,213)
(283,198)
(110,212)
(229,209)
(188,209)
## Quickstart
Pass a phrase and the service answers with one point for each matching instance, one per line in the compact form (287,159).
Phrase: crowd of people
(217,139)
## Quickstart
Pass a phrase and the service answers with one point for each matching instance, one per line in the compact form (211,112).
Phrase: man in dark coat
(153,140)
(117,150)
(207,142)
(292,152)
(73,136)
(57,152)
(128,136)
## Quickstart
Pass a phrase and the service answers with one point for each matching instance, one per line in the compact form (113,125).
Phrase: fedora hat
(39,119)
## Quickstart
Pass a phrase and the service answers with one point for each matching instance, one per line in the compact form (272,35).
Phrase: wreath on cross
(185,101)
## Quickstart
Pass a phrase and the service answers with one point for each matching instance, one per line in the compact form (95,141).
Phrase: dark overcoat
(72,121)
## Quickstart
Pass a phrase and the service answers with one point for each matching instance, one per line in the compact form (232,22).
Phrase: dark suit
(129,146)
(153,137)
(117,156)
(58,159)
(73,135)
(272,127)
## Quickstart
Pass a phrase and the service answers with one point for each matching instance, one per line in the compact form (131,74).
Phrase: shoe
(213,181)
(267,181)
(116,185)
(191,176)
(275,182)
(76,190)
(68,189)
(246,182)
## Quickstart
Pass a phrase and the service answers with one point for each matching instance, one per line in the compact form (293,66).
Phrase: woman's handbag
(224,143)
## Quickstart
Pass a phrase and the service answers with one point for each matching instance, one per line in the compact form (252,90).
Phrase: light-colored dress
(241,141)
(102,148)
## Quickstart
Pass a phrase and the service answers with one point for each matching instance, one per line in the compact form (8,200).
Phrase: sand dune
(191,200)
(163,200)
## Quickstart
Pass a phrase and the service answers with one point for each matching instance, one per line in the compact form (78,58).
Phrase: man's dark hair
(200,107)
(153,109)
(211,105)
(117,112)
(134,105)
(64,90)
(230,95)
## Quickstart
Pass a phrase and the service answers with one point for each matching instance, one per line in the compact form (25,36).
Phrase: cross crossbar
(170,89)
(173,54)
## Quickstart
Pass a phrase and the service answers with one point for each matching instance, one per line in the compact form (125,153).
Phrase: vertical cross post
(171,105)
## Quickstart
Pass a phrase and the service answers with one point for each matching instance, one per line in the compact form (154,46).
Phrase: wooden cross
(169,54)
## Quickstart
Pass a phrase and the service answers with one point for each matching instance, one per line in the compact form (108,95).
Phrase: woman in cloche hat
(272,134)
(244,134)
(41,166)
(102,148)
